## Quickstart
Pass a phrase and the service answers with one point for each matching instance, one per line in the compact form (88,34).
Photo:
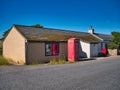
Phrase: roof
(105,37)
(47,34)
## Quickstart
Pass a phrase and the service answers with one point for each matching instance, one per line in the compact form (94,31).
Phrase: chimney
(91,30)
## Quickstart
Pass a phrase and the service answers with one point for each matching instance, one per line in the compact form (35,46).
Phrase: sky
(76,15)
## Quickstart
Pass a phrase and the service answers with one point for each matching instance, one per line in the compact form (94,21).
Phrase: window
(51,49)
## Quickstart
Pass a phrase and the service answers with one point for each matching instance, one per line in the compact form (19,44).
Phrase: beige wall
(14,47)
(36,52)
(84,49)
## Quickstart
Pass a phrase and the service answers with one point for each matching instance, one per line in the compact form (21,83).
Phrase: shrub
(58,61)
(3,61)
(116,37)
(53,61)
(71,62)
(62,61)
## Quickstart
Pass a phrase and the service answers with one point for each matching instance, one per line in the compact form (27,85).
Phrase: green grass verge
(58,61)
(3,61)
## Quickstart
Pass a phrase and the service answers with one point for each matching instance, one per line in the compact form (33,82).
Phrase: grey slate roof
(32,33)
(105,37)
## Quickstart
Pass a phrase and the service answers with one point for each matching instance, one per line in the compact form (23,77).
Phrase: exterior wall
(36,52)
(84,49)
(94,50)
(63,50)
(14,47)
(88,50)
(113,52)
(99,48)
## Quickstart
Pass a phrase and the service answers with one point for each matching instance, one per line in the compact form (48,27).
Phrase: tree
(116,37)
(37,26)
(112,45)
(5,34)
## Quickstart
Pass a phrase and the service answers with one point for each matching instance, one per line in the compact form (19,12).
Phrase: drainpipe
(26,52)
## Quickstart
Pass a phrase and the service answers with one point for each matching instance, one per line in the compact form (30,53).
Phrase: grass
(3,61)
(58,61)
(53,61)
(62,61)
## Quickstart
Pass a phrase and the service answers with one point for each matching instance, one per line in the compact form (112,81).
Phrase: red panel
(73,49)
(104,51)
(54,49)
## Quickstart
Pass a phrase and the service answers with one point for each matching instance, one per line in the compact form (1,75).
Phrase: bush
(53,61)
(116,37)
(58,61)
(62,61)
(112,45)
(0,49)
(3,61)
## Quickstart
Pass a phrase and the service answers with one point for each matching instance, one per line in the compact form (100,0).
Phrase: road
(103,74)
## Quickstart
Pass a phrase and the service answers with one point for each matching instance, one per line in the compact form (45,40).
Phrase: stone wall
(112,52)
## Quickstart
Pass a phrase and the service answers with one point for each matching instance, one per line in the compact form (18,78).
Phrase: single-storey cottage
(27,44)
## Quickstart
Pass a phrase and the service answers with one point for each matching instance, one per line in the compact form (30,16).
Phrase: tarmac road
(100,74)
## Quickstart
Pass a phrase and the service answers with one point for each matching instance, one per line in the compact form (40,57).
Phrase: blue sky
(77,15)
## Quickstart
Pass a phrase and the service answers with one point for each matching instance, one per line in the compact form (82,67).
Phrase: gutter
(46,40)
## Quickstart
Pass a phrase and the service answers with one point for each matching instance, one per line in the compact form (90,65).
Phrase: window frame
(52,49)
